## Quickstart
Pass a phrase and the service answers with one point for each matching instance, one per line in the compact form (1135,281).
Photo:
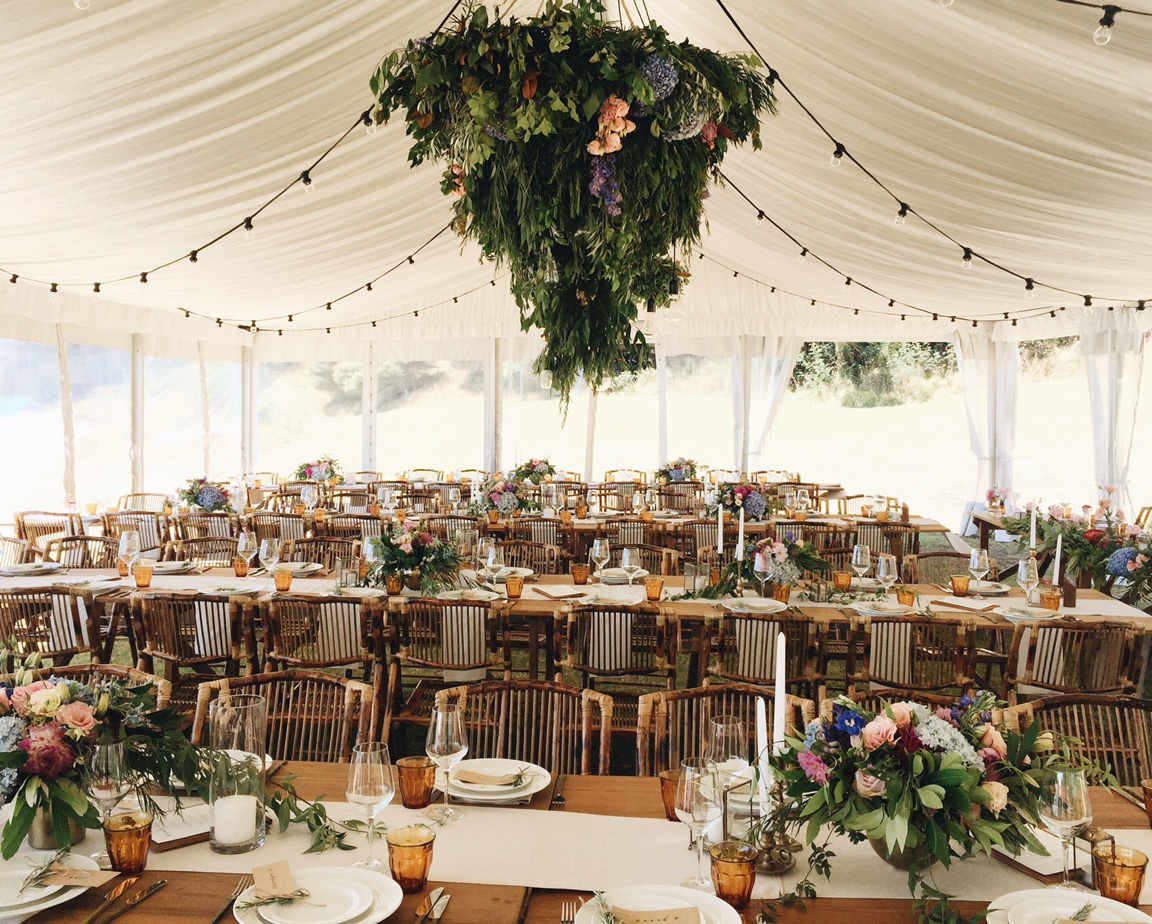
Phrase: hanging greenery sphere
(579,155)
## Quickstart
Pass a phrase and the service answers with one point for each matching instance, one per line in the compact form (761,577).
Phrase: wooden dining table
(194,897)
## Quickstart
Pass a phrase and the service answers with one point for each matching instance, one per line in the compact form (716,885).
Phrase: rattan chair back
(204,525)
(48,621)
(910,652)
(208,552)
(1056,656)
(540,557)
(15,551)
(154,503)
(323,550)
(938,567)
(151,527)
(38,526)
(741,647)
(280,526)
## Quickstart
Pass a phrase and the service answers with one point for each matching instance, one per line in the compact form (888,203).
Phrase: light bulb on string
(1103,33)
(674,314)
(946,3)
(54,292)
(306,179)
(369,122)
(1029,289)
(96,291)
(803,254)
(966,260)
(838,154)
(759,217)
(902,215)
(249,229)
(81,4)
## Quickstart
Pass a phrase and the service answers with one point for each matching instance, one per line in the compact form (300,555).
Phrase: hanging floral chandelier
(579,155)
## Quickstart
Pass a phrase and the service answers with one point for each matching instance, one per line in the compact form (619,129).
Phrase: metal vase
(42,836)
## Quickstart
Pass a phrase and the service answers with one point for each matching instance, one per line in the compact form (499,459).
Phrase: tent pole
(661,401)
(493,406)
(137,451)
(368,412)
(204,410)
(247,403)
(69,418)
(590,437)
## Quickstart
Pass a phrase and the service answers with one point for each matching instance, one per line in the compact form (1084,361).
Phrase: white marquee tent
(137,131)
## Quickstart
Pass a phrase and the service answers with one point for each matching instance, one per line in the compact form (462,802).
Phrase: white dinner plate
(504,573)
(882,609)
(332,899)
(988,588)
(233,590)
(298,568)
(171,567)
(496,766)
(620,576)
(1042,906)
(866,584)
(754,605)
(31,568)
(473,594)
(1022,613)
(661,898)
(359,592)
(52,898)
(386,894)
(11,880)
(540,779)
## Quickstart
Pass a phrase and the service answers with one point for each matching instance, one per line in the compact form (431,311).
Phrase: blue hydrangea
(661,75)
(755,506)
(211,497)
(13,730)
(691,127)
(495,131)
(1118,561)
(507,502)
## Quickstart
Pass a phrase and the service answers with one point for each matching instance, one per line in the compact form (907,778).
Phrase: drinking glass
(494,561)
(129,548)
(109,781)
(698,806)
(1028,577)
(978,567)
(760,569)
(247,546)
(1065,809)
(727,745)
(309,496)
(446,744)
(802,499)
(269,556)
(861,560)
(631,563)
(637,501)
(886,570)
(600,555)
(370,788)
(483,544)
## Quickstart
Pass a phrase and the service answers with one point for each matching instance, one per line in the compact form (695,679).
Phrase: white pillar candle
(1056,560)
(1032,537)
(781,696)
(719,528)
(234,819)
(740,541)
(762,751)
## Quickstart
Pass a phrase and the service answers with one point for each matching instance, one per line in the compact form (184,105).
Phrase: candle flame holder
(778,849)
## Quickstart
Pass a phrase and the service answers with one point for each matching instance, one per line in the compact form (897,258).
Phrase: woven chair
(821,535)
(285,502)
(311,631)
(654,559)
(425,474)
(311,716)
(541,558)
(560,728)
(277,525)
(206,552)
(1056,656)
(350,526)
(673,724)
(616,497)
(194,636)
(910,652)
(323,550)
(938,567)
(14,551)
(741,647)
(631,531)
(151,527)
(626,476)
(847,505)
(348,500)
(441,644)
(83,551)
(151,502)
(544,530)
(94,673)
(696,537)
(680,496)
(38,526)
(624,651)
(204,525)
(366,477)
(48,621)
(1115,731)
(447,526)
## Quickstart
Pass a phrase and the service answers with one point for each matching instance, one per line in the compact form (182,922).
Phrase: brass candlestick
(778,849)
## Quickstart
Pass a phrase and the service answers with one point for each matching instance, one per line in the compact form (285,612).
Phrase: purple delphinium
(603,183)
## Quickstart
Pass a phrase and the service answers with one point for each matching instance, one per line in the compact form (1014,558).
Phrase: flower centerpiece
(998,499)
(922,784)
(47,728)
(323,469)
(578,153)
(534,470)
(747,497)
(783,561)
(408,550)
(200,492)
(506,495)
(677,470)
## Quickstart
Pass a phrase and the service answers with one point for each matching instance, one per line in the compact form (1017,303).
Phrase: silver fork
(242,886)
(568,912)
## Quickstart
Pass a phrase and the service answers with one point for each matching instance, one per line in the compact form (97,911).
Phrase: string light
(966,260)
(219,323)
(799,259)
(368,287)
(143,277)
(306,179)
(194,256)
(946,3)
(81,4)
(96,289)
(1140,305)
(187,313)
(369,122)
(1087,301)
(415,314)
(760,216)
(249,230)
(902,215)
(373,323)
(329,306)
(838,154)
(53,291)
(1029,289)
(410,260)
(1103,33)
(280,333)
(13,279)
(289,319)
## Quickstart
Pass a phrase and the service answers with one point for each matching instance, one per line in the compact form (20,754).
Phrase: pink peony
(991,738)
(77,715)
(867,785)
(21,695)
(880,731)
(814,768)
(901,714)
(48,753)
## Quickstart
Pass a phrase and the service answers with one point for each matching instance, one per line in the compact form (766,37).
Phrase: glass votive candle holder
(905,596)
(1051,596)
(653,588)
(960,583)
(734,871)
(299,509)
(417,776)
(283,578)
(240,566)
(410,856)
(580,572)
(493,516)
(842,580)
(799,515)
(90,509)
(566,517)
(669,780)
(514,584)
(393,583)
(881,516)
(142,573)
(128,835)
(1118,872)
(401,516)
(122,567)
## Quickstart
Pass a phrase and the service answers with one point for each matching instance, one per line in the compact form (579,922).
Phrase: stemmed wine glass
(446,744)
(886,570)
(269,555)
(109,780)
(129,548)
(309,497)
(630,563)
(247,546)
(727,744)
(698,806)
(600,555)
(370,788)
(978,567)
(1028,577)
(1065,809)
(861,560)
(760,568)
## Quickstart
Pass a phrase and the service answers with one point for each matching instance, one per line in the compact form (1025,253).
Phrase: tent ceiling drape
(140,129)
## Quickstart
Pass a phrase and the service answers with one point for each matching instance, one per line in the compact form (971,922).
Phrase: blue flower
(1118,561)
(847,720)
(211,498)
(755,506)
(661,75)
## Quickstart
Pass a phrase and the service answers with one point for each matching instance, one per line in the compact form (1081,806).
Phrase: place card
(275,880)
(485,779)
(667,916)
(559,594)
(967,603)
(83,878)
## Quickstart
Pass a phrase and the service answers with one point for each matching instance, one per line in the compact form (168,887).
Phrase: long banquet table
(524,853)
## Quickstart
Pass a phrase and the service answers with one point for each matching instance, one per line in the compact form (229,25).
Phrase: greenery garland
(579,154)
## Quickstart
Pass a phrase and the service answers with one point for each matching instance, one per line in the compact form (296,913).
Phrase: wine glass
(631,563)
(637,501)
(1028,577)
(109,780)
(600,555)
(309,497)
(698,806)
(861,560)
(370,788)
(802,499)
(978,567)
(727,744)
(494,561)
(446,744)
(269,555)
(129,548)
(483,544)
(247,546)
(761,569)
(886,570)
(1065,809)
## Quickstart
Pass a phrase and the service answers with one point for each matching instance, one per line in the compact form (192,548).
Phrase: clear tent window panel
(102,422)
(309,410)
(700,409)
(173,424)
(626,424)
(30,418)
(224,418)
(535,425)
(429,414)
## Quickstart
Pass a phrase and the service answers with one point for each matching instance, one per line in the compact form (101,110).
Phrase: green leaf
(17,827)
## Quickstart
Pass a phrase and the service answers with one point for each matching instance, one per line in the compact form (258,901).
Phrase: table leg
(985,534)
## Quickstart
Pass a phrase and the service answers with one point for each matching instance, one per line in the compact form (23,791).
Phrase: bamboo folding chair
(673,724)
(362,526)
(83,551)
(151,502)
(311,716)
(741,648)
(561,728)
(910,652)
(541,558)
(151,527)
(204,525)
(322,550)
(278,525)
(38,526)
(1056,656)
(938,567)
(205,552)
(14,551)
(48,621)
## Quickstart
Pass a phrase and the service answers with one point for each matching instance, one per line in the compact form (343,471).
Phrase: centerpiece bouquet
(506,495)
(410,551)
(677,470)
(534,470)
(323,469)
(200,492)
(749,497)
(47,728)
(998,499)
(783,561)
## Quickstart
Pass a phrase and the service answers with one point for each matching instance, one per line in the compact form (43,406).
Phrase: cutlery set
(111,897)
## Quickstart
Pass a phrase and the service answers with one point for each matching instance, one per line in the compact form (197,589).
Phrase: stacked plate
(359,592)
(661,898)
(620,576)
(532,780)
(1022,612)
(468,593)
(233,590)
(299,568)
(505,573)
(172,567)
(1043,906)
(31,569)
(881,608)
(988,588)
(14,872)
(754,605)
(337,895)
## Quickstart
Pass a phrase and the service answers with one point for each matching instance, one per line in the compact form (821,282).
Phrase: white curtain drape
(759,381)
(989,371)
(1112,347)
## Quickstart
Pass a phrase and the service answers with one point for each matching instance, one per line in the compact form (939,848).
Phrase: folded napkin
(485,779)
(964,603)
(666,916)
(560,594)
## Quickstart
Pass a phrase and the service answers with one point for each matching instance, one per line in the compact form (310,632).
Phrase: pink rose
(1132,530)
(999,794)
(48,753)
(901,714)
(78,715)
(992,739)
(596,146)
(1110,488)
(880,731)
(612,143)
(1105,503)
(21,695)
(867,785)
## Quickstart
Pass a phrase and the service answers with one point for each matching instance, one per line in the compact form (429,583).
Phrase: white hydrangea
(943,737)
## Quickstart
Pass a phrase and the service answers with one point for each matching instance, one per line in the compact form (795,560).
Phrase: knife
(112,896)
(440,906)
(427,906)
(136,899)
